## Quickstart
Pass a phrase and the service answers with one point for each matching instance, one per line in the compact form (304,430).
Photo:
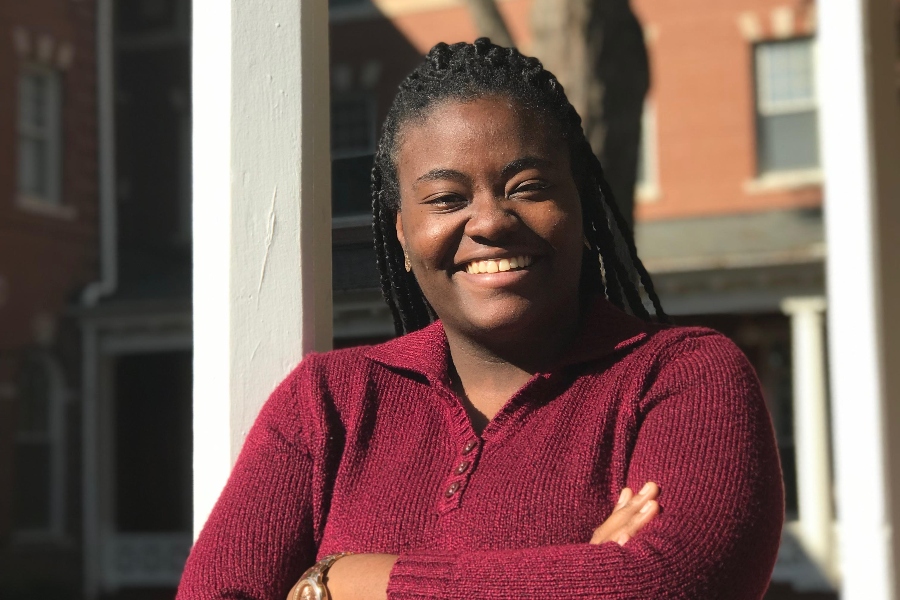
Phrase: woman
(474,456)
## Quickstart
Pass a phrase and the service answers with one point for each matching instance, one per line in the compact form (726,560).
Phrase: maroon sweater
(369,450)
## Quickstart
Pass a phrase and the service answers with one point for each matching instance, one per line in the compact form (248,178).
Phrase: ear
(398,222)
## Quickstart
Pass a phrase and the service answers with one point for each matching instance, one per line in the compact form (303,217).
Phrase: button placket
(458,476)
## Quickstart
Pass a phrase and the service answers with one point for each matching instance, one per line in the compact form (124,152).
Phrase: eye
(445,202)
(531,188)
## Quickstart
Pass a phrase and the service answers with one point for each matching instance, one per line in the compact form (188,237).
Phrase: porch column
(860,147)
(262,215)
(814,491)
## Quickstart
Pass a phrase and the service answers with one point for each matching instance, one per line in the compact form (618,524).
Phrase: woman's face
(490,217)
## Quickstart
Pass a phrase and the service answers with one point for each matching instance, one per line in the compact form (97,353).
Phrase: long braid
(466,72)
(628,237)
(379,212)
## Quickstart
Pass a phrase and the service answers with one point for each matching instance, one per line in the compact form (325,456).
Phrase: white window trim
(50,205)
(56,439)
(792,179)
(649,190)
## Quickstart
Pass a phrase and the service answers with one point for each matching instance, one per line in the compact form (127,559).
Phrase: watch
(312,583)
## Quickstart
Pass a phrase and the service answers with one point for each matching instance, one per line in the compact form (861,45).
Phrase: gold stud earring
(406,264)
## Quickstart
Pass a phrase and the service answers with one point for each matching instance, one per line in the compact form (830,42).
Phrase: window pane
(785,73)
(34,389)
(33,167)
(351,185)
(788,142)
(33,100)
(32,487)
(352,124)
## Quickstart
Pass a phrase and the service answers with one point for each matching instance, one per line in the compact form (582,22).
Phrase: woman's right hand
(629,516)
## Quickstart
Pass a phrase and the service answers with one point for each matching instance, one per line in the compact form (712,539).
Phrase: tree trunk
(596,49)
(489,21)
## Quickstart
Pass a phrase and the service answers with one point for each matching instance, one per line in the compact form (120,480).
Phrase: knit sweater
(369,450)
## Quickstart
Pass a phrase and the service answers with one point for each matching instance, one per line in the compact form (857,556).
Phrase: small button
(462,468)
(452,489)
(470,445)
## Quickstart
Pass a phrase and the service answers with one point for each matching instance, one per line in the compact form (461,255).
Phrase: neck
(490,369)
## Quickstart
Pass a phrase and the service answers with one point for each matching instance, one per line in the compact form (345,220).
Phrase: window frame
(648,154)
(371,100)
(789,177)
(51,134)
(55,440)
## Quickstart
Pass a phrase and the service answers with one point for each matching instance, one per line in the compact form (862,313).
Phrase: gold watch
(312,583)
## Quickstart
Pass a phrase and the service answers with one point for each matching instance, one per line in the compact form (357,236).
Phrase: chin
(502,322)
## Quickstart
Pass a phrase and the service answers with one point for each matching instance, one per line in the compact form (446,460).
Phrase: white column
(860,142)
(262,215)
(816,517)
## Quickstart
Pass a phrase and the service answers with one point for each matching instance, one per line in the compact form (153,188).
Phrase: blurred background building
(95,254)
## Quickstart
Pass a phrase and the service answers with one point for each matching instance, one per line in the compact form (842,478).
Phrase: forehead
(482,132)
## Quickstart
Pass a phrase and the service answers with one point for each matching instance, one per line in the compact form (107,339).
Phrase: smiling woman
(491,450)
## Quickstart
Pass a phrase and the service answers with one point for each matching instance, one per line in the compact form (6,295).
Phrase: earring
(406,264)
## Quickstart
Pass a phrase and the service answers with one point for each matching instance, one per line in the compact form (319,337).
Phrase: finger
(624,519)
(650,491)
(641,519)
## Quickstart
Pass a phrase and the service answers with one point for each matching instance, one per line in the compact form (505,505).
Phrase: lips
(498,265)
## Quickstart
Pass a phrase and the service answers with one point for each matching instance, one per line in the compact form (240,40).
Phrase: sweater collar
(604,330)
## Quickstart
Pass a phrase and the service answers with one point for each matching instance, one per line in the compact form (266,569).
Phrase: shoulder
(701,361)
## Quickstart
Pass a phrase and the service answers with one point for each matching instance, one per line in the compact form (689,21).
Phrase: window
(39,468)
(352,152)
(40,132)
(786,107)
(647,186)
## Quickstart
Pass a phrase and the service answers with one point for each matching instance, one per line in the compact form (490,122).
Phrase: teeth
(498,266)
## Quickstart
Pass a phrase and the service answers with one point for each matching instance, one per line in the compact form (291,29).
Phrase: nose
(489,219)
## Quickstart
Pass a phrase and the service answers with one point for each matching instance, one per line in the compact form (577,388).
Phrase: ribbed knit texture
(357,450)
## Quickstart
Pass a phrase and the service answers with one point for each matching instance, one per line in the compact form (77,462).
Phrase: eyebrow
(442,174)
(520,164)
(527,162)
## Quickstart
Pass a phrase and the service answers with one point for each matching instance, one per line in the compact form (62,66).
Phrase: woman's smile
(499,265)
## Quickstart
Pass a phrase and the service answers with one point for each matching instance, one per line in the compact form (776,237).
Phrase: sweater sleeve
(241,554)
(706,438)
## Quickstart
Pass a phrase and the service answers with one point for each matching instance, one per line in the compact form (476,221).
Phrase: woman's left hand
(630,515)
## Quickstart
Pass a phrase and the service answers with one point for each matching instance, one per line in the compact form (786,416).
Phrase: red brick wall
(703,91)
(45,260)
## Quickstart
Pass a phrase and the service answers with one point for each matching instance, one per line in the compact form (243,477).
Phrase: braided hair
(465,72)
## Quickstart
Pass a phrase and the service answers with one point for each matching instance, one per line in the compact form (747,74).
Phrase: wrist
(360,576)
(312,584)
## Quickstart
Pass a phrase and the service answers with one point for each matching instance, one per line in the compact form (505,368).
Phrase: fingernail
(622,497)
(645,508)
(646,489)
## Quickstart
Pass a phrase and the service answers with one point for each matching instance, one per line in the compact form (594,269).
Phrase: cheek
(432,241)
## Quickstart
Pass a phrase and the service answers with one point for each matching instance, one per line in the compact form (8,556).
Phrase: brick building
(48,255)
(729,222)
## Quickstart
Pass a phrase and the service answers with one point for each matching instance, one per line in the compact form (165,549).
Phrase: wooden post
(262,215)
